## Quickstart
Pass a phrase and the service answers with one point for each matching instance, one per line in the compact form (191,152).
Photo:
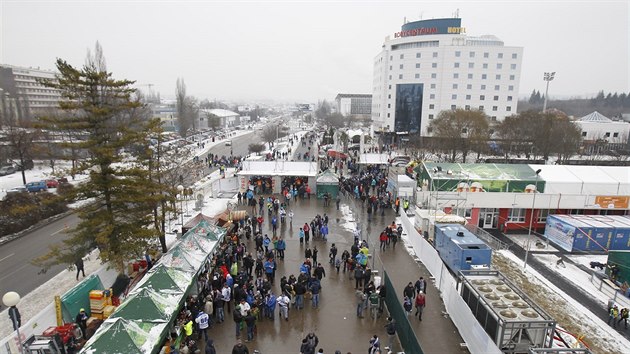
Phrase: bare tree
(184,109)
(461,130)
(256,148)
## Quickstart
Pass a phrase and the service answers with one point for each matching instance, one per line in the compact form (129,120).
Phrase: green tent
(177,262)
(121,336)
(147,306)
(327,182)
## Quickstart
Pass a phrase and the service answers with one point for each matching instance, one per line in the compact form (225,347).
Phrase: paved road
(18,274)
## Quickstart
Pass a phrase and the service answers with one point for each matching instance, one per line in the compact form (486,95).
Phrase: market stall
(327,182)
(144,320)
(273,173)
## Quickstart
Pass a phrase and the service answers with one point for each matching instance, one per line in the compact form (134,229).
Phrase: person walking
(250,322)
(202,321)
(361,297)
(315,288)
(407,306)
(238,320)
(420,304)
(623,316)
(240,348)
(307,230)
(390,327)
(375,345)
(409,291)
(612,315)
(210,347)
(301,235)
(420,285)
(80,267)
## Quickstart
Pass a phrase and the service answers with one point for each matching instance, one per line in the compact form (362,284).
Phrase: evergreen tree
(110,120)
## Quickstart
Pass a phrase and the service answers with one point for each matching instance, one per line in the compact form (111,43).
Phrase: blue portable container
(460,249)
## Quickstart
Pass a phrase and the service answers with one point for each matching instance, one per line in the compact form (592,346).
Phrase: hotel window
(497,87)
(389,105)
(517,215)
(417,76)
(402,56)
(431,106)
(615,135)
(482,97)
(493,118)
(514,55)
(467,107)
(607,135)
(499,66)
(471,54)
(485,65)
(470,76)
(400,76)
(401,66)
(509,98)
(471,65)
(418,55)
(390,77)
(508,108)
(429,129)
(486,55)
(458,54)
(510,88)
(495,108)
(454,97)
(484,76)
(498,77)
(434,65)
(453,107)
(430,116)
(432,96)
(434,76)
(513,66)
(481,108)
(417,65)
(496,98)
(469,87)
(456,65)
(455,76)
(390,87)
(583,134)
(387,115)
(391,58)
(500,55)
(435,54)
(468,97)
(432,86)
(455,86)
(389,96)
(512,77)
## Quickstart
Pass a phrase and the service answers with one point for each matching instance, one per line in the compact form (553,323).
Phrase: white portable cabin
(426,219)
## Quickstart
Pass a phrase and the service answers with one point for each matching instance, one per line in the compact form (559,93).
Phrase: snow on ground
(569,313)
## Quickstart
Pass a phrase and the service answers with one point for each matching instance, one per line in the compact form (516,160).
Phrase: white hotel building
(431,66)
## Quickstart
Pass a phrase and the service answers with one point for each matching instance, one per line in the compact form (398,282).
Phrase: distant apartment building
(433,65)
(356,105)
(22,97)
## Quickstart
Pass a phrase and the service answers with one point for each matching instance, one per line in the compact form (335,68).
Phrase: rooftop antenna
(421,13)
(405,20)
(457,13)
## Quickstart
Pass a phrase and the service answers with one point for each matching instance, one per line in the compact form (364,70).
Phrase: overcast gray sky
(307,50)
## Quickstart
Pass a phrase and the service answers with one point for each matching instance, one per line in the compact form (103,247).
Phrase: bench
(611,284)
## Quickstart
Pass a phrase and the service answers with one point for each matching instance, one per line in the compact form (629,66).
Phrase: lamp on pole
(531,218)
(11,299)
(547,77)
(180,189)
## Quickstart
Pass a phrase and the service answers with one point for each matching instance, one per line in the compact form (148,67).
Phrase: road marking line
(13,272)
(12,254)
(56,232)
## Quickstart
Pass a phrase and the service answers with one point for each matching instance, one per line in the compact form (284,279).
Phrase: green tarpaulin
(78,297)
(121,336)
(147,306)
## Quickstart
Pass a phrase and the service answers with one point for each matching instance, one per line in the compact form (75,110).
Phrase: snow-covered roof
(595,117)
(220,112)
(374,159)
(587,180)
(354,132)
(328,177)
(278,168)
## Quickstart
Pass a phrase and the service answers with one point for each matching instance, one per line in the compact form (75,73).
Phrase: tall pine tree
(109,117)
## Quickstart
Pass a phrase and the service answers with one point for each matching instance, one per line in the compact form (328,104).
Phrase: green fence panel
(406,335)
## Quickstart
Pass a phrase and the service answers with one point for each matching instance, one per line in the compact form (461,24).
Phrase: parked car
(36,186)
(7,170)
(52,183)
(20,189)
(228,143)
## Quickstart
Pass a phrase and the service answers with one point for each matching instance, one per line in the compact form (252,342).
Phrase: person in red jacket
(420,303)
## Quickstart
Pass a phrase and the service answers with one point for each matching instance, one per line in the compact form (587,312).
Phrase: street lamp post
(531,218)
(11,299)
(180,189)
(547,77)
